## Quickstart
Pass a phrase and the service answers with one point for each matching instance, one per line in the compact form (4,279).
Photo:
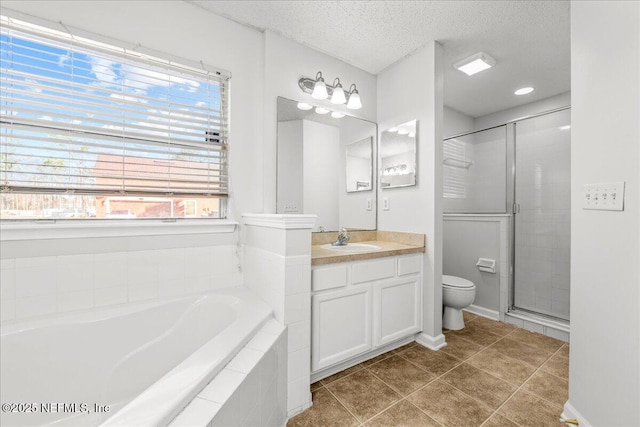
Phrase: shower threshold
(546,325)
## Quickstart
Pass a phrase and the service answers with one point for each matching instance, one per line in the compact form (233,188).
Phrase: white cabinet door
(396,309)
(341,325)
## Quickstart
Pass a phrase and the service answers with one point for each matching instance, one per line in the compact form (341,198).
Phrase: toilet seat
(456,282)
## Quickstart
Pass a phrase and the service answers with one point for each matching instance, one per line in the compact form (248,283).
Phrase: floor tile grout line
(520,388)
(344,406)
(424,412)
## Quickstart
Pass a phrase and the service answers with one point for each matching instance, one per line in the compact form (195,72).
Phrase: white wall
(320,155)
(412,89)
(604,366)
(456,122)
(466,240)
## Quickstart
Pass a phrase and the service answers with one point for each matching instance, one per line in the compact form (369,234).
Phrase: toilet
(457,293)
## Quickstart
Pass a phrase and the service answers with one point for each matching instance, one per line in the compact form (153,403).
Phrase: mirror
(359,165)
(325,167)
(398,155)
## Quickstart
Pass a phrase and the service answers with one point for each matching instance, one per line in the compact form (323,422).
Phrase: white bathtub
(143,361)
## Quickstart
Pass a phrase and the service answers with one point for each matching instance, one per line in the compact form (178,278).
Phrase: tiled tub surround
(251,389)
(490,374)
(148,360)
(390,243)
(111,273)
(277,259)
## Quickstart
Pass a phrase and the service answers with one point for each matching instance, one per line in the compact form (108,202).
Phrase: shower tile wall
(543,224)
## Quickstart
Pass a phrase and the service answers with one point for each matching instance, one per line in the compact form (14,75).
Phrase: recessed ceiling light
(475,63)
(304,106)
(337,115)
(523,91)
(321,110)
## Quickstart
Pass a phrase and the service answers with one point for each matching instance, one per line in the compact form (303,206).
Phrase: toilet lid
(456,282)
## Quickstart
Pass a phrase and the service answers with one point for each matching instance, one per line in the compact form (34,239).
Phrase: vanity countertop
(390,243)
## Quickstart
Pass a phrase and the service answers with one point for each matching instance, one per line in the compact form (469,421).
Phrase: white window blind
(454,168)
(82,117)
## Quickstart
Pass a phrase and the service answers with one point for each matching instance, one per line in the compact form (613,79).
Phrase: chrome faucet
(343,238)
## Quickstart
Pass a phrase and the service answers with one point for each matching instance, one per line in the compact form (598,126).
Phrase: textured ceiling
(528,39)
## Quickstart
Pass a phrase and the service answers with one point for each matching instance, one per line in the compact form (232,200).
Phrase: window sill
(111,228)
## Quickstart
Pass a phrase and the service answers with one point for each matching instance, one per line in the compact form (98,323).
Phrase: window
(455,169)
(89,130)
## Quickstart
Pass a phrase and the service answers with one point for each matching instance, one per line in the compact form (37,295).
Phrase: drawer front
(409,265)
(373,270)
(323,278)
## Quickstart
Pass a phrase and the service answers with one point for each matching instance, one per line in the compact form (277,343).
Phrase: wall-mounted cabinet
(360,306)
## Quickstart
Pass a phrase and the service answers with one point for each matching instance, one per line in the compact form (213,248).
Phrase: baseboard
(432,343)
(326,372)
(571,413)
(295,411)
(484,312)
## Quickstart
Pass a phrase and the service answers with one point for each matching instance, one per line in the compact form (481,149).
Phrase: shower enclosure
(521,171)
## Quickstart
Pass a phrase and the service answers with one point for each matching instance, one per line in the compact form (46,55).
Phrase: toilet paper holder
(487,265)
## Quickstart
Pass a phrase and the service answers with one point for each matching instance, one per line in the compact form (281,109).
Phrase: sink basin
(352,247)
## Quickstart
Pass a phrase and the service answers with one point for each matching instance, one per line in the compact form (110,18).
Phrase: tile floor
(490,374)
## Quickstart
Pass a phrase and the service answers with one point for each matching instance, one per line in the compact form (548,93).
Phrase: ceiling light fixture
(475,63)
(321,110)
(523,91)
(337,115)
(304,106)
(320,90)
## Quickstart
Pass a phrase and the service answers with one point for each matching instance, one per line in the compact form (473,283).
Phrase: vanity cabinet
(359,306)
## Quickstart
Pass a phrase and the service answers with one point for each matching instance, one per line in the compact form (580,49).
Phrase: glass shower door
(542,222)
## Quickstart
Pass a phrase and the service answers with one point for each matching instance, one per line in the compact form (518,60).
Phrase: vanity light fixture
(523,91)
(337,115)
(338,93)
(354,102)
(320,90)
(475,63)
(321,110)
(304,106)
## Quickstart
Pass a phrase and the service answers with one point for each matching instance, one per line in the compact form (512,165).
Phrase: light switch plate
(385,203)
(291,207)
(605,196)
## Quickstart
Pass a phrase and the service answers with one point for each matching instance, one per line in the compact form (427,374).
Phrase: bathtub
(135,365)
